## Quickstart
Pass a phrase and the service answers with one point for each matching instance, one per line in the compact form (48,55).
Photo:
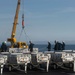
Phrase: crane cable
(27,37)
(23,27)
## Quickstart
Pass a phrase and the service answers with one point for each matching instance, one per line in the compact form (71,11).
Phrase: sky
(45,20)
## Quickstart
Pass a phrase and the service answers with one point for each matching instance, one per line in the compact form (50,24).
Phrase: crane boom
(15,19)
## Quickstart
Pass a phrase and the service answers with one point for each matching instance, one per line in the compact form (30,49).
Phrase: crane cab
(22,45)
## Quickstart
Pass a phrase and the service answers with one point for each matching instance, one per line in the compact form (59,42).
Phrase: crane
(12,40)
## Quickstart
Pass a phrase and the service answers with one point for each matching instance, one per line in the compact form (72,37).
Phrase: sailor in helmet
(49,46)
(63,45)
(31,46)
(4,46)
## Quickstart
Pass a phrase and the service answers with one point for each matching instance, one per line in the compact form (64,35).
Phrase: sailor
(4,47)
(63,45)
(59,46)
(56,45)
(31,46)
(49,46)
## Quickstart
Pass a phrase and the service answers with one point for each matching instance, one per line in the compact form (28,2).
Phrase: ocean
(43,47)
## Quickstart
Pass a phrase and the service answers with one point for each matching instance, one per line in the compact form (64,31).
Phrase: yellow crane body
(13,40)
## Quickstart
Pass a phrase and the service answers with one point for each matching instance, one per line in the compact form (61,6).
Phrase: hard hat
(29,41)
(5,42)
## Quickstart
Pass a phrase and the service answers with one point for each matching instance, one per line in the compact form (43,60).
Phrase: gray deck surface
(58,71)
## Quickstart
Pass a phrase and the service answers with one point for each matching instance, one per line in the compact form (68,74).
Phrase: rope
(20,34)
(17,68)
(60,64)
(65,68)
(35,65)
(26,34)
